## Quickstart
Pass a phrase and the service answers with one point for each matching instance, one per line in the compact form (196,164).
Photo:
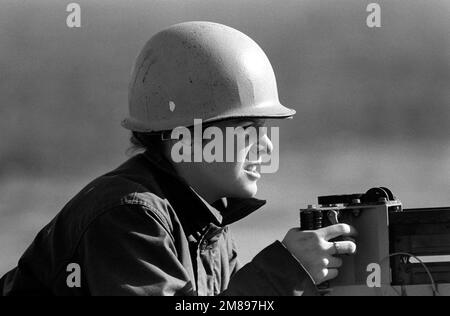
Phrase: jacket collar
(221,213)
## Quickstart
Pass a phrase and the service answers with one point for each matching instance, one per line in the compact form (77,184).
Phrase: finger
(335,231)
(334,263)
(342,248)
(330,274)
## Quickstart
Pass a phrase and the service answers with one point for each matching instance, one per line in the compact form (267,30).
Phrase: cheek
(232,177)
(239,152)
(232,171)
(232,180)
(223,173)
(242,154)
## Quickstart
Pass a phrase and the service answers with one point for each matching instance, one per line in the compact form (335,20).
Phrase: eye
(255,124)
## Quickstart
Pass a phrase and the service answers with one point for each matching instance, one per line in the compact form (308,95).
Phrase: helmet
(200,70)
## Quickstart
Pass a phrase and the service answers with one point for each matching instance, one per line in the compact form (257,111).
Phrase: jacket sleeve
(128,251)
(273,272)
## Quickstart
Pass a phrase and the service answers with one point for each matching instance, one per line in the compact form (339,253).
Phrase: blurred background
(373,104)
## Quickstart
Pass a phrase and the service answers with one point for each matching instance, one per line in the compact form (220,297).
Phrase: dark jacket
(141,230)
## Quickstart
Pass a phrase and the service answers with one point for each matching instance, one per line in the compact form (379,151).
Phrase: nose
(265,145)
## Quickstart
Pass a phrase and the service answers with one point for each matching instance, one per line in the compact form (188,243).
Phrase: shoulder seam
(159,217)
(159,214)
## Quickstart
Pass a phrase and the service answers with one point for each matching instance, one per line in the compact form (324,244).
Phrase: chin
(247,190)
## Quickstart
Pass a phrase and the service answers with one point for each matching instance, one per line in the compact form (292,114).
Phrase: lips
(252,170)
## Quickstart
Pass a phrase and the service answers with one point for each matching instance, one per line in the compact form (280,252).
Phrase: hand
(316,253)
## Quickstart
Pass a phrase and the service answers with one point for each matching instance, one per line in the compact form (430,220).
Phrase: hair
(141,142)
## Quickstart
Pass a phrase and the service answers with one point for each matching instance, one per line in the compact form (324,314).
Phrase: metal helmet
(201,70)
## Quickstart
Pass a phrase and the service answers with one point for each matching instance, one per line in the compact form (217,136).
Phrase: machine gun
(411,247)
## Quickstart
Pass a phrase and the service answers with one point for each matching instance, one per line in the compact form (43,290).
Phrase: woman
(159,224)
